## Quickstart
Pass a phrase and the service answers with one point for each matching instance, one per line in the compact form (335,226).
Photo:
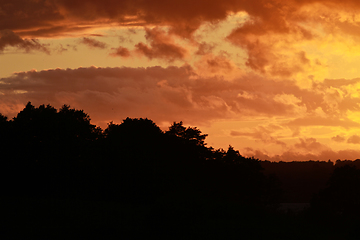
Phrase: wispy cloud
(93,43)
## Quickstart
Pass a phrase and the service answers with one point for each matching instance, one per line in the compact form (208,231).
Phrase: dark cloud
(10,39)
(93,43)
(204,48)
(47,14)
(219,62)
(309,144)
(215,64)
(338,138)
(161,46)
(120,52)
(183,16)
(61,49)
(355,139)
(55,31)
(95,35)
(29,15)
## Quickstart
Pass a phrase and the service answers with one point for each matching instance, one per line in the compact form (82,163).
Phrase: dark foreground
(168,219)
(62,177)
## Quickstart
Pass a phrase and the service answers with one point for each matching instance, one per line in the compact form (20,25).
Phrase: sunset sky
(276,79)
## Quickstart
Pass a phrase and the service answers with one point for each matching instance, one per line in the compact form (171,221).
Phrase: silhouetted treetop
(4,132)
(232,156)
(76,123)
(3,118)
(133,127)
(191,134)
(47,122)
(30,113)
(135,138)
(74,115)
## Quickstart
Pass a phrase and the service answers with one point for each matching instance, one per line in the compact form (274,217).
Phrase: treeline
(302,180)
(142,181)
(59,153)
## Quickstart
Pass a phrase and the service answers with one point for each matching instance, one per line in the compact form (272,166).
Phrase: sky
(278,80)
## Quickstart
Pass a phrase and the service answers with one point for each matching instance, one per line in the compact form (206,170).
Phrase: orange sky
(276,79)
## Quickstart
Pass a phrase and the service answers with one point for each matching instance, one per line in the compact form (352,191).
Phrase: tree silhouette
(134,159)
(50,148)
(232,156)
(133,166)
(3,118)
(190,134)
(342,195)
(5,147)
(136,140)
(64,155)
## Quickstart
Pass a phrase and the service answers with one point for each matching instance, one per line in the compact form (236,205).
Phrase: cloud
(289,156)
(29,15)
(321,121)
(310,144)
(338,138)
(244,97)
(115,93)
(183,17)
(276,35)
(162,94)
(219,62)
(260,133)
(60,48)
(355,139)
(177,93)
(161,46)
(23,14)
(215,64)
(304,150)
(56,31)
(340,95)
(120,52)
(204,48)
(92,43)
(10,39)
(272,49)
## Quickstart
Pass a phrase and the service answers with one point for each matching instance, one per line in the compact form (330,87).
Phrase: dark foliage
(300,180)
(341,197)
(59,153)
(60,172)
